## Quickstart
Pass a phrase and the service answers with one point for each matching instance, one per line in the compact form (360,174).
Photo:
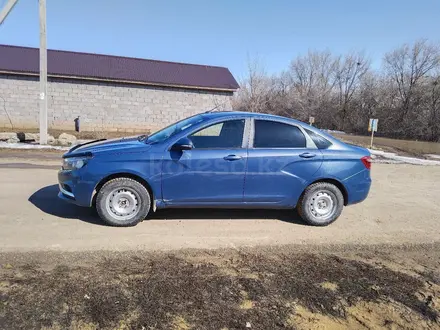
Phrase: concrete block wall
(102,106)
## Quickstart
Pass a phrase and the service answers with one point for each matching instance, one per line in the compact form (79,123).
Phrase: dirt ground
(260,288)
(376,267)
(402,208)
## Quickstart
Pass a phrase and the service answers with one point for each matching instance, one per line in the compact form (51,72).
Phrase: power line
(7,9)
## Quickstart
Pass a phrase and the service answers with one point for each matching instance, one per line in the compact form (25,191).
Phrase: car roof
(225,114)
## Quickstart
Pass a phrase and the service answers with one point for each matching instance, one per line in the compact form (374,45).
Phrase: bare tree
(365,101)
(342,92)
(433,117)
(407,66)
(312,80)
(349,71)
(255,88)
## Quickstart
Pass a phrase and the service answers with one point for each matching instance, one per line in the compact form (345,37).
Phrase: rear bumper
(358,187)
(73,189)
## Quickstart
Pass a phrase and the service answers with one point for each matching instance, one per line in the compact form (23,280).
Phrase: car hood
(112,145)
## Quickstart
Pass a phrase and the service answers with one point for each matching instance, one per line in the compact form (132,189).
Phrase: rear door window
(272,134)
(321,142)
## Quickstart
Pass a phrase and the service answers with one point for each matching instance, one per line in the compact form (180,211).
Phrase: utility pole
(43,63)
(43,73)
(7,9)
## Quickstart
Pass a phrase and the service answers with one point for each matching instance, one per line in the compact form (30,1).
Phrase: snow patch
(391,158)
(22,145)
(432,156)
(331,131)
(6,145)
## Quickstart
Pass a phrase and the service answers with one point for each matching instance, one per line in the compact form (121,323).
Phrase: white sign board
(372,125)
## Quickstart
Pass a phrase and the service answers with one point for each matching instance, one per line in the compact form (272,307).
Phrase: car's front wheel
(321,204)
(123,202)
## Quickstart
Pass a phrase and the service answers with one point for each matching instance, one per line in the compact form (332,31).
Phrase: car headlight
(74,163)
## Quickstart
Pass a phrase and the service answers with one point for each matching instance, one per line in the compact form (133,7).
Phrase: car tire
(320,204)
(123,202)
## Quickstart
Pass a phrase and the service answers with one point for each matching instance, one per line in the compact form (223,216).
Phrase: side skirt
(160,204)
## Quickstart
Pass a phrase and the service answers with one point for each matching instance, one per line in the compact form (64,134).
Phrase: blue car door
(212,172)
(281,162)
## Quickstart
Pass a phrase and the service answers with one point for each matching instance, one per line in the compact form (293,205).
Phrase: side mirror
(182,144)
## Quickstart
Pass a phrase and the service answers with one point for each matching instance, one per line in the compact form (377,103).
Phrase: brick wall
(101,105)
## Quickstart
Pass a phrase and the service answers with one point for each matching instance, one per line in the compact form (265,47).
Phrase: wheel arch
(335,182)
(122,175)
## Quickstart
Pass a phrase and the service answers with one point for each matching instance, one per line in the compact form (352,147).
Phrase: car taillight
(367,162)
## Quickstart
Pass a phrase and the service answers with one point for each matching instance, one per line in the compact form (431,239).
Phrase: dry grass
(177,291)
(406,146)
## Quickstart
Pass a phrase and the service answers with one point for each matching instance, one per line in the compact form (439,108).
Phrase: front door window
(224,135)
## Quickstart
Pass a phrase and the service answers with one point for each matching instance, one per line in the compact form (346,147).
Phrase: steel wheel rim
(122,204)
(322,205)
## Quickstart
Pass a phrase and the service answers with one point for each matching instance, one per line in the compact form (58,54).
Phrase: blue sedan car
(218,159)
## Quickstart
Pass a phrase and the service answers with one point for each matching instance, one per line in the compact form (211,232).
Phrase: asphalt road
(402,207)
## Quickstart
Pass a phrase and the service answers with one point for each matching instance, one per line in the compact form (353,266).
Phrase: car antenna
(213,109)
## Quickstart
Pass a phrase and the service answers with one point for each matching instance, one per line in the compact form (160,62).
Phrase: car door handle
(232,157)
(307,155)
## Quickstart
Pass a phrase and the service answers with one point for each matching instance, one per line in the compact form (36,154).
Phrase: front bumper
(74,189)
(65,192)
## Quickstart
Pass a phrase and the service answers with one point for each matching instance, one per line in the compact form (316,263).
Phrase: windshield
(174,129)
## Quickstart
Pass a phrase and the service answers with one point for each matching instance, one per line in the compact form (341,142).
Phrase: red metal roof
(25,60)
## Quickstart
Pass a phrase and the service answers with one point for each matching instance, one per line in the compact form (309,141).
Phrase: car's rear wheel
(321,204)
(123,202)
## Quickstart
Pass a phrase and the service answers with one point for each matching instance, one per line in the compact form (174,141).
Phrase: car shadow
(47,201)
(290,216)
